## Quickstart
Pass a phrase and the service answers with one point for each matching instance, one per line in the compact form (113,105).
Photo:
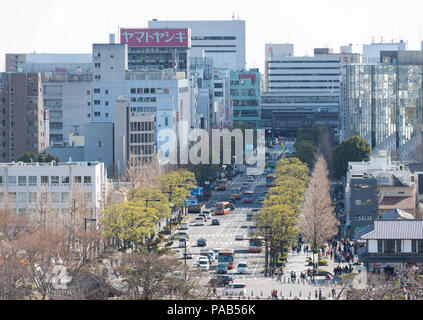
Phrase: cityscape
(167,164)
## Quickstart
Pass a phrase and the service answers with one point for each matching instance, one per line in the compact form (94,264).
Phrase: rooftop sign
(155,37)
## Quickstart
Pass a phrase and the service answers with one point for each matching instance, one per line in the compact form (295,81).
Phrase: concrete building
(302,91)
(67,97)
(22,115)
(371,52)
(25,186)
(48,62)
(99,143)
(375,187)
(246,97)
(271,50)
(221,40)
(134,136)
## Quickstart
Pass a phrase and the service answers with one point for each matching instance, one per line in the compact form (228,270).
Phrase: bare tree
(376,288)
(142,173)
(325,146)
(317,221)
(146,274)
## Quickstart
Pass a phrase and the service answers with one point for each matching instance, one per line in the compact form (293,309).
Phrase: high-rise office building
(222,40)
(22,115)
(371,52)
(302,91)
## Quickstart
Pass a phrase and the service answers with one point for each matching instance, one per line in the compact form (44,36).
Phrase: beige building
(23,122)
(134,136)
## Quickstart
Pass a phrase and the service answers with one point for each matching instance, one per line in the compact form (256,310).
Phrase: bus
(222,185)
(269,180)
(236,193)
(227,257)
(256,245)
(248,197)
(222,208)
(196,208)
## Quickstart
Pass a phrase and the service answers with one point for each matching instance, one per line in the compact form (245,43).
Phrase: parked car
(242,267)
(215,222)
(235,289)
(221,268)
(239,237)
(201,242)
(221,281)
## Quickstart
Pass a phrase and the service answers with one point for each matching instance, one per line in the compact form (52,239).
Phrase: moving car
(204,265)
(216,252)
(235,289)
(250,179)
(182,242)
(215,222)
(239,237)
(203,216)
(221,281)
(221,268)
(180,234)
(242,267)
(184,226)
(207,214)
(188,255)
(199,221)
(201,242)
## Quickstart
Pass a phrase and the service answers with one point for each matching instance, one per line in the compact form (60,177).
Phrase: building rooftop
(50,164)
(395,230)
(402,203)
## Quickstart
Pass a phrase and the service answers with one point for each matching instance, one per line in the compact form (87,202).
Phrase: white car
(235,289)
(184,226)
(188,255)
(239,237)
(242,267)
(199,221)
(203,264)
(207,213)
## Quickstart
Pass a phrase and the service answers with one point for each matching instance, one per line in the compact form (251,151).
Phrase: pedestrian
(320,293)
(315,293)
(214,291)
(333,293)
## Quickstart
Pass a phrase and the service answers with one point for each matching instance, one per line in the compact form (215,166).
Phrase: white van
(182,242)
(242,267)
(235,289)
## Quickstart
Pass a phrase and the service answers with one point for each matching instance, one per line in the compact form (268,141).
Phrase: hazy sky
(48,26)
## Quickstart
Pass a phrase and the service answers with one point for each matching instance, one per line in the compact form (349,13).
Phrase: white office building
(302,91)
(271,50)
(222,40)
(24,186)
(371,52)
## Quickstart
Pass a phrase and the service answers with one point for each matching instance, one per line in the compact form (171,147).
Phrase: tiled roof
(402,203)
(396,229)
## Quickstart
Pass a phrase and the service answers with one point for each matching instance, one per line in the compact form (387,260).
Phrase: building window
(97,90)
(414,246)
(87,179)
(97,102)
(106,91)
(44,180)
(133,90)
(65,197)
(97,114)
(398,246)
(22,197)
(55,197)
(22,181)
(32,197)
(11,181)
(32,181)
(55,180)
(77,179)
(390,246)
(380,246)
(420,246)
(65,180)
(146,90)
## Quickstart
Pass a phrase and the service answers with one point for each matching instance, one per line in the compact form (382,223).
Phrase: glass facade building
(245,97)
(383,103)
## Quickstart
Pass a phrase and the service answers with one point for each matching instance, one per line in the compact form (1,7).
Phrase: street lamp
(85,236)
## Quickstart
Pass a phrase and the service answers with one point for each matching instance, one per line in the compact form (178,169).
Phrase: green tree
(177,185)
(305,151)
(291,167)
(28,156)
(354,149)
(130,222)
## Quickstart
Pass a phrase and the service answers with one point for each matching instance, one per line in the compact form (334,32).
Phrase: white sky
(59,26)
